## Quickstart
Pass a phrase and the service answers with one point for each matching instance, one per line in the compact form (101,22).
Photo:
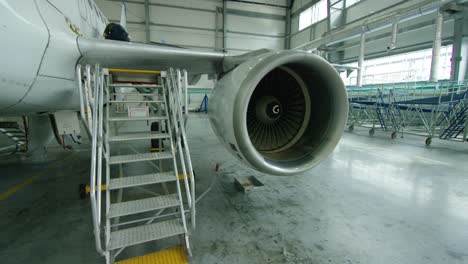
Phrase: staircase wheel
(372,131)
(394,135)
(428,141)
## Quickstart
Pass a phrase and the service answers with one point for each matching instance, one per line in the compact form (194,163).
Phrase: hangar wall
(198,24)
(413,35)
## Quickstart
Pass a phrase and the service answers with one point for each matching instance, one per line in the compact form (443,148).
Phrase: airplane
(279,112)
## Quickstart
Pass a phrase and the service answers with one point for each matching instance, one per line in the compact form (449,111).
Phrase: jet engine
(280,112)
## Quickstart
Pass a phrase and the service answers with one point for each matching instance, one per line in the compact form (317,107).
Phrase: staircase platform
(168,256)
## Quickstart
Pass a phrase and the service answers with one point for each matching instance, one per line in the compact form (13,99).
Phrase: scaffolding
(425,109)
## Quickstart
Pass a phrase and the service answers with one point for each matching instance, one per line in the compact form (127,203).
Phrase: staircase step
(167,256)
(143,205)
(135,85)
(9,124)
(140,180)
(136,101)
(125,117)
(139,157)
(145,233)
(135,93)
(15,134)
(10,130)
(138,136)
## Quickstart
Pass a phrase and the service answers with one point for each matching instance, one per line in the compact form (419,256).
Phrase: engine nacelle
(280,112)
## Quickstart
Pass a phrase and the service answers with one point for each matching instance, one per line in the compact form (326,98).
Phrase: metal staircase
(380,117)
(154,201)
(17,133)
(458,122)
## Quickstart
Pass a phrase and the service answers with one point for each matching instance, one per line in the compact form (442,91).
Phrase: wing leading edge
(130,55)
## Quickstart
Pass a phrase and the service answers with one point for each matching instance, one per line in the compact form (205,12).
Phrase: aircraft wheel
(372,131)
(351,128)
(394,135)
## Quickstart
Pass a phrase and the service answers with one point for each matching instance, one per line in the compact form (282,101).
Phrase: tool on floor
(247,184)
(117,108)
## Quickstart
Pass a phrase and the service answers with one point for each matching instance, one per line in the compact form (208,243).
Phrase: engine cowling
(280,112)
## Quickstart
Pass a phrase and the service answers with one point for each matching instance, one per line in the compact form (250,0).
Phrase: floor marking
(431,161)
(16,188)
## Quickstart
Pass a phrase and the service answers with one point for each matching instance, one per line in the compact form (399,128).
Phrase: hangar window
(408,67)
(313,14)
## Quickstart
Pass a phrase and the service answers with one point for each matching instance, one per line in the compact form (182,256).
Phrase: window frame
(311,9)
(409,75)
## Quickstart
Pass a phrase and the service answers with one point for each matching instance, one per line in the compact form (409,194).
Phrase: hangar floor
(373,201)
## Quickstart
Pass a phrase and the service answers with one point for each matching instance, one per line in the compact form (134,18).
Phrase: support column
(393,39)
(147,22)
(336,19)
(436,47)
(287,31)
(336,14)
(224,25)
(465,132)
(460,51)
(216,48)
(464,62)
(362,49)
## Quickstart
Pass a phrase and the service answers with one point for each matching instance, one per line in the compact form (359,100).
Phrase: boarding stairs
(380,117)
(396,115)
(146,210)
(388,112)
(458,122)
(17,133)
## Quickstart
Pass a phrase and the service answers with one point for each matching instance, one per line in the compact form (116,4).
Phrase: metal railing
(176,91)
(90,84)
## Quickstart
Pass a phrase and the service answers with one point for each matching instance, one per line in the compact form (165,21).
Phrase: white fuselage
(39,53)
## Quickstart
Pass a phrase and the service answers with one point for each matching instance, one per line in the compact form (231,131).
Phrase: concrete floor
(373,201)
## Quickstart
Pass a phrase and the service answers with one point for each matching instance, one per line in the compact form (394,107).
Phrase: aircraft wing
(129,55)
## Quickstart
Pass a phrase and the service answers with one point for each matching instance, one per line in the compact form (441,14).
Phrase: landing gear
(351,128)
(394,135)
(428,141)
(372,131)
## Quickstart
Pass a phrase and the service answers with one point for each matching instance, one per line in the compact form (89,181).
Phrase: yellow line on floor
(16,188)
